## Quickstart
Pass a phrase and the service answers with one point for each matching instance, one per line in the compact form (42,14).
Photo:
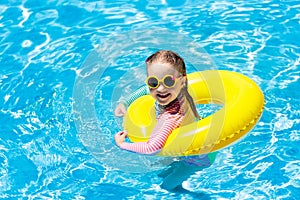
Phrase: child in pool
(167,84)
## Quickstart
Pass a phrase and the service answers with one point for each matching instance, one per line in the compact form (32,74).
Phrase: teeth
(163,95)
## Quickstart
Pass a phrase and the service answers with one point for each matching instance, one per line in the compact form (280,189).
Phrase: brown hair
(175,60)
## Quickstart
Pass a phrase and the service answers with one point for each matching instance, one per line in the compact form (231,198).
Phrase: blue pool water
(55,53)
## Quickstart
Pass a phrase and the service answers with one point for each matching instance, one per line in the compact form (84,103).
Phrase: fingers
(119,113)
(120,137)
(125,133)
(120,110)
(122,133)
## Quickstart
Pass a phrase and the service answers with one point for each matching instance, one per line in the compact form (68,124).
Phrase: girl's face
(163,94)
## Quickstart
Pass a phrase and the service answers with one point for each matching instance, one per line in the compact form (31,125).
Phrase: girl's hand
(120,137)
(120,110)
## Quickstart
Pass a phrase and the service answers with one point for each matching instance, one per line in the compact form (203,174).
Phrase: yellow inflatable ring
(242,102)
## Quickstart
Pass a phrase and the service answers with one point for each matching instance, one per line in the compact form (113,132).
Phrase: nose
(161,87)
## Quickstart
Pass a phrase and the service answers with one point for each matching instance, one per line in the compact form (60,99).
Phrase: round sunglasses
(168,81)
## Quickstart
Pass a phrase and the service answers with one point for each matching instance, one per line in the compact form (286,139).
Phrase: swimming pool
(46,45)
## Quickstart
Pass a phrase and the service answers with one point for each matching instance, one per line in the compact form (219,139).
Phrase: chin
(165,102)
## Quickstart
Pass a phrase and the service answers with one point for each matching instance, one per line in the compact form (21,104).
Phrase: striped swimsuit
(168,118)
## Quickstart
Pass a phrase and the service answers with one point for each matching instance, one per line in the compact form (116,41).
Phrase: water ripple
(42,46)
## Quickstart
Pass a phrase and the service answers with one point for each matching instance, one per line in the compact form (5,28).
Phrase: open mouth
(163,96)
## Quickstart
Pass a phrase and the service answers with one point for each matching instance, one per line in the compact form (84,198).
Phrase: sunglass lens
(169,81)
(152,82)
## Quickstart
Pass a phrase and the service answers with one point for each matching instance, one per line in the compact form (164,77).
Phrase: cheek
(174,91)
(152,93)
(178,87)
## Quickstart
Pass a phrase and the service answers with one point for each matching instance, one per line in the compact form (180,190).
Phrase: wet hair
(172,58)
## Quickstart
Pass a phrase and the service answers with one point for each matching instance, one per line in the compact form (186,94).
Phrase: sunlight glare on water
(44,48)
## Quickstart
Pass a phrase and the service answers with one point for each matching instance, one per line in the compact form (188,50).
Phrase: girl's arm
(135,95)
(158,138)
(125,102)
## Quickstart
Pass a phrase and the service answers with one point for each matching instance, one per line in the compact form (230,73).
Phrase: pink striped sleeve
(164,127)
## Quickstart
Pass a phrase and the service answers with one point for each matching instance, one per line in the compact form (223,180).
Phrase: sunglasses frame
(162,81)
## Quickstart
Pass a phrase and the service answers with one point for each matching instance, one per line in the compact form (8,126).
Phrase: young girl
(167,83)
